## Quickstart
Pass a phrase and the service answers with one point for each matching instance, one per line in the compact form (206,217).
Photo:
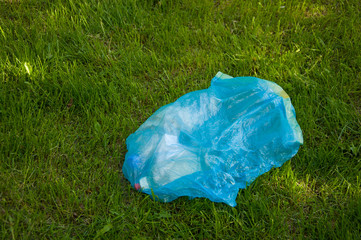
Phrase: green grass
(78,77)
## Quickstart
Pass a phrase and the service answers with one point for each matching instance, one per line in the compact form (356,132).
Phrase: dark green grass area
(77,77)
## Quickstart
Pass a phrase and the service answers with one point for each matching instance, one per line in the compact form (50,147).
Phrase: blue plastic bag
(212,142)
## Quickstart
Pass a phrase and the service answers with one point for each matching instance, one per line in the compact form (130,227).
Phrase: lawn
(77,77)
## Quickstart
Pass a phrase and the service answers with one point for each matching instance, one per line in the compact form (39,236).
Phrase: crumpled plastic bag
(212,142)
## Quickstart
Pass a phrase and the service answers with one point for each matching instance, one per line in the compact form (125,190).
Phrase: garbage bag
(212,142)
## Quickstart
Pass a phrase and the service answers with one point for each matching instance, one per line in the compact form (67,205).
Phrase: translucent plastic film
(212,142)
